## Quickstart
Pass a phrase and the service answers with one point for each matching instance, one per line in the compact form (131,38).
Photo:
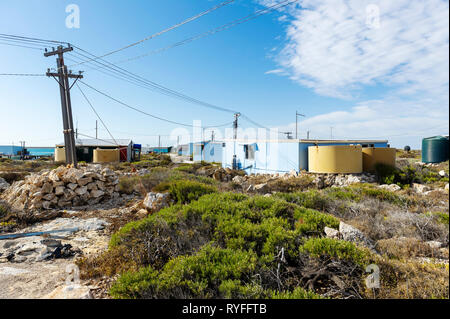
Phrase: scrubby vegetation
(218,239)
(229,245)
(155,177)
(408,174)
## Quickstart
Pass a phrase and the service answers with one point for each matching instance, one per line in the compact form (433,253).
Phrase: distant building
(185,149)
(10,150)
(268,156)
(85,148)
(160,150)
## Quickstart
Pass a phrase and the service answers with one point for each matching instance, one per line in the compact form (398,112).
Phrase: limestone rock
(59,190)
(391,187)
(350,233)
(156,201)
(434,244)
(97,193)
(70,292)
(420,189)
(261,188)
(331,233)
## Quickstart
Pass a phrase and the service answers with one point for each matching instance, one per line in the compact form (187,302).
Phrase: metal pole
(96,129)
(296,123)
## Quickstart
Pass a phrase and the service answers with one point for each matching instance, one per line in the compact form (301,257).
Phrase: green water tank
(435,149)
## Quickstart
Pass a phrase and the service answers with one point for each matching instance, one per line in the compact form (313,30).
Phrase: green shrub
(131,285)
(297,293)
(186,191)
(196,276)
(319,247)
(187,168)
(310,199)
(386,174)
(310,221)
(157,176)
(442,217)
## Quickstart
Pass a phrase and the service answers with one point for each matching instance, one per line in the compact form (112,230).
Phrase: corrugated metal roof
(102,142)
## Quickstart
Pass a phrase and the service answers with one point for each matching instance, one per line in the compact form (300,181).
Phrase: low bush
(211,273)
(157,176)
(185,191)
(216,235)
(338,249)
(404,248)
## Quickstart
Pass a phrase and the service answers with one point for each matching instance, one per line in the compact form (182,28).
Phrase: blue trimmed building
(268,156)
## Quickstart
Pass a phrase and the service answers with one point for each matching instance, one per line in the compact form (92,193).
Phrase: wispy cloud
(399,121)
(333,48)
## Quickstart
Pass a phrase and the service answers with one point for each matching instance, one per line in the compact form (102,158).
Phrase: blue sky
(322,58)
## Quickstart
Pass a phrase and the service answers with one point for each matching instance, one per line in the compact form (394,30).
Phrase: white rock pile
(63,187)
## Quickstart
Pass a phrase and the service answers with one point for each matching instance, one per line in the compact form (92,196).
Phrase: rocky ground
(85,206)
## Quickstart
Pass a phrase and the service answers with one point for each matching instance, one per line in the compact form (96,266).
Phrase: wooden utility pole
(62,77)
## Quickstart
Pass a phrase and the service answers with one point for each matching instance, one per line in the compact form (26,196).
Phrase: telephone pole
(296,123)
(96,129)
(62,76)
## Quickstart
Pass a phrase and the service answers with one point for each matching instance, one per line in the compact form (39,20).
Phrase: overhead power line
(136,109)
(93,109)
(216,30)
(21,46)
(151,84)
(224,3)
(20,74)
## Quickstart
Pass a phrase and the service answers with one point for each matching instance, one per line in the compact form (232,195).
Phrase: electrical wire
(136,109)
(20,74)
(214,31)
(93,109)
(21,46)
(224,3)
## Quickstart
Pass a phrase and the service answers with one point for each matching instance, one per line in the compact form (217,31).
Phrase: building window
(249,152)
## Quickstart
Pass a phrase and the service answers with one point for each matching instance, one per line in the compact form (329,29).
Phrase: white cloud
(399,121)
(332,50)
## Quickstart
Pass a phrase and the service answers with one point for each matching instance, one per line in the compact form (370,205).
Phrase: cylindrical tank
(60,154)
(106,156)
(375,155)
(339,159)
(435,149)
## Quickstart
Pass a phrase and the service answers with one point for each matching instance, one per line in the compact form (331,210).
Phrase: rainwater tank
(435,149)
